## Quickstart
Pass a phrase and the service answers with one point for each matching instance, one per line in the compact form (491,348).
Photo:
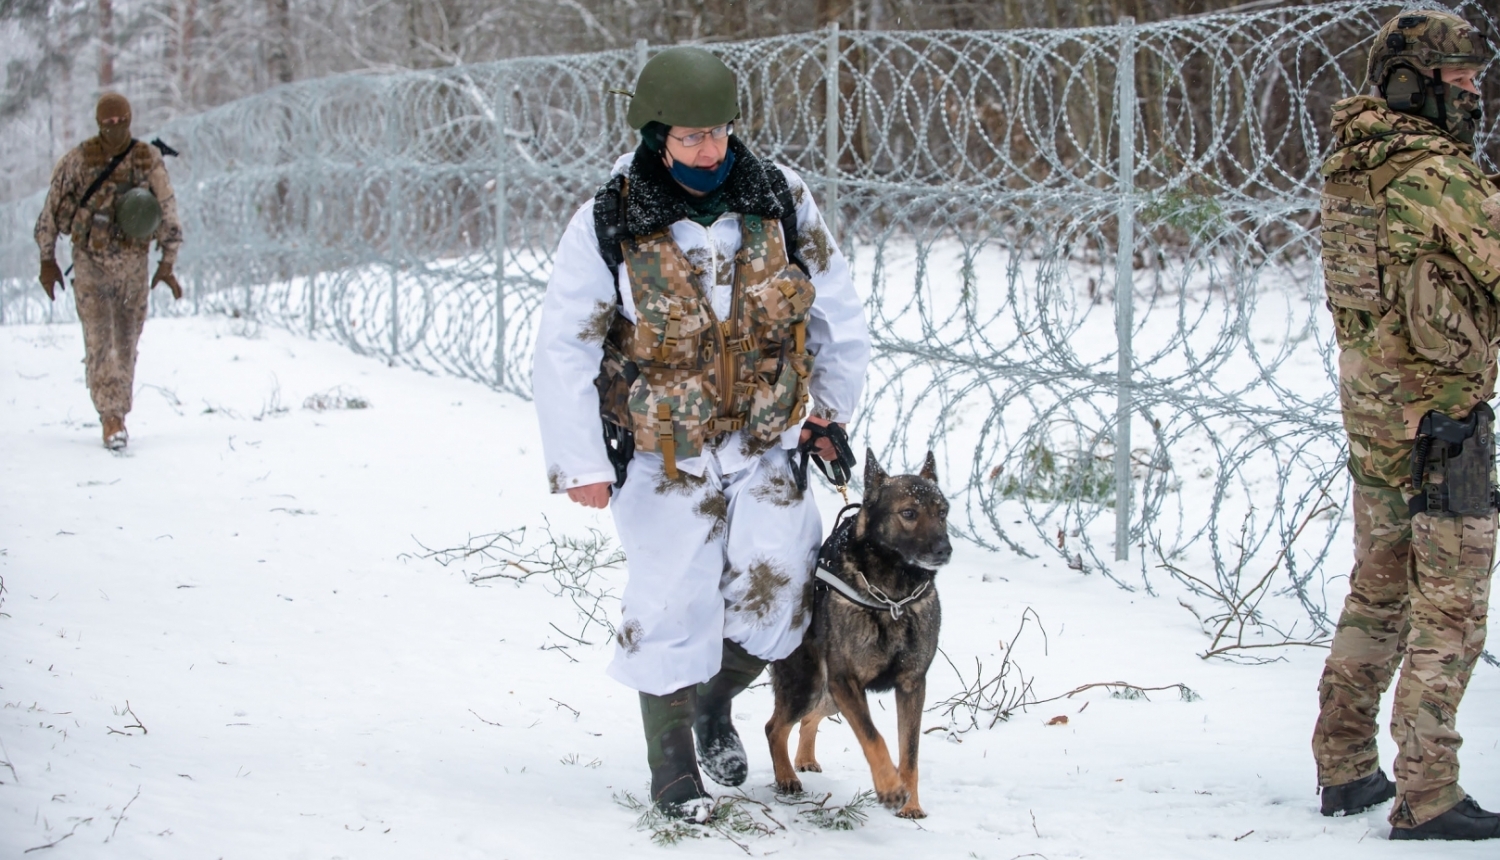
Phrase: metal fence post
(1125,284)
(395,311)
(502,228)
(831,140)
(312,302)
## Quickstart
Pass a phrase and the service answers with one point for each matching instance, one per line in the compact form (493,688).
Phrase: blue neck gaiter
(703,181)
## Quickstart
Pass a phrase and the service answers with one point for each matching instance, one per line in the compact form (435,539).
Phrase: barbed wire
(974,180)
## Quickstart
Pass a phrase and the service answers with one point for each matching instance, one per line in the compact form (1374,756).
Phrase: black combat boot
(1464,821)
(1355,797)
(719,748)
(676,787)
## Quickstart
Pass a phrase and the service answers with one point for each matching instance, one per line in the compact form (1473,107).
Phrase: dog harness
(897,607)
(831,554)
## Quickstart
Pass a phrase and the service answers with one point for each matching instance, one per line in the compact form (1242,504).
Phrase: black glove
(839,469)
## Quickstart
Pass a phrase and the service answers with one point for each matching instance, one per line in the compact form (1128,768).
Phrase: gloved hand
(164,276)
(51,277)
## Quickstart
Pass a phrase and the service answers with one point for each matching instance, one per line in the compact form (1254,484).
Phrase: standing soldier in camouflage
(1412,268)
(697,302)
(111,195)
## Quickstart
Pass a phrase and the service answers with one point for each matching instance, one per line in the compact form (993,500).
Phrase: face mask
(1463,114)
(1453,109)
(703,181)
(115,137)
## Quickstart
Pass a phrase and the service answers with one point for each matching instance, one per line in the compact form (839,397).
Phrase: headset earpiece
(1405,89)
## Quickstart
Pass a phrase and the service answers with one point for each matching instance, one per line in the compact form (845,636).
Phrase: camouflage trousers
(111,295)
(1418,601)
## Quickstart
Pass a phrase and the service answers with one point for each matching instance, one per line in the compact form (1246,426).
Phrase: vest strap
(666,439)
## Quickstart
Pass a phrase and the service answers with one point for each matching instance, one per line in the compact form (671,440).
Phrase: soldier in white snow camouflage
(700,307)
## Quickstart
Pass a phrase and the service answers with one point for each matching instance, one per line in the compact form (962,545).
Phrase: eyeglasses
(697,137)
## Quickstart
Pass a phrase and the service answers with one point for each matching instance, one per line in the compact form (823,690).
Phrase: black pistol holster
(1464,450)
(619,439)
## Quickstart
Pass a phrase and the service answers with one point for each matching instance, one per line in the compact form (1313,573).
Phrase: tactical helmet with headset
(1429,40)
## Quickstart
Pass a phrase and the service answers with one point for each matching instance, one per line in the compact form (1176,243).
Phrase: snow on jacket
(582,299)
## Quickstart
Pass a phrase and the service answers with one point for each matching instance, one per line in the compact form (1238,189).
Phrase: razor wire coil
(973,178)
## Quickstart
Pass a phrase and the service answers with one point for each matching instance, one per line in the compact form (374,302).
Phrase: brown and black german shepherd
(879,633)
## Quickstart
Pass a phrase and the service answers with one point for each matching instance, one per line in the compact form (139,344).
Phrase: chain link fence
(1119,353)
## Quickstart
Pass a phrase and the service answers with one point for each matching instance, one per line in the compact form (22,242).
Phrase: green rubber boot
(720,751)
(676,787)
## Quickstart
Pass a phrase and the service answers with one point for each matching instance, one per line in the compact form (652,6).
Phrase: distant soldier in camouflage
(698,313)
(111,195)
(1412,273)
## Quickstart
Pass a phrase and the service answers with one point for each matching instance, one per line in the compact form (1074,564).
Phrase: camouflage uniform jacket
(1411,269)
(75,172)
(585,309)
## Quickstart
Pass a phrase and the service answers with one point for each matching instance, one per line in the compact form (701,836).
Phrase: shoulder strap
(783,192)
(104,174)
(1397,166)
(609,225)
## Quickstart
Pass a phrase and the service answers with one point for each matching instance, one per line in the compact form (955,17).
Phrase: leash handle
(839,470)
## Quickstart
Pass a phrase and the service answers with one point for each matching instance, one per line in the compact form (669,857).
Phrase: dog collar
(897,608)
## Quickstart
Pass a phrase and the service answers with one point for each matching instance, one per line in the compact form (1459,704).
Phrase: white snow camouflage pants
(712,558)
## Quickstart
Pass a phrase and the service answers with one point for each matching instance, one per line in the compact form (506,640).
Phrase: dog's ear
(874,475)
(929,468)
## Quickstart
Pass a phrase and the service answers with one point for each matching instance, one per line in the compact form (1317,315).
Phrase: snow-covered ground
(219,644)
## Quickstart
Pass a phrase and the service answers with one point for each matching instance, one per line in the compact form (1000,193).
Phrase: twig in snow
(483,720)
(561,648)
(128,726)
(1240,606)
(3,751)
(1033,825)
(576,715)
(121,816)
(574,638)
(76,825)
(574,564)
(1243,835)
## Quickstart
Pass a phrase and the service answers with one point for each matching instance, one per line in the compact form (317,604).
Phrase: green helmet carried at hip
(686,87)
(138,213)
(1427,39)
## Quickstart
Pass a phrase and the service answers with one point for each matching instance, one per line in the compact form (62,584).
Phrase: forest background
(180,57)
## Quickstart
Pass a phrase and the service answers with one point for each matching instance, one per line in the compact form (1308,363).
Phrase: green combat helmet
(1405,63)
(1427,40)
(686,87)
(138,213)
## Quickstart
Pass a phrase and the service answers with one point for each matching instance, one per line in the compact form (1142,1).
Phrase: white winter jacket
(580,290)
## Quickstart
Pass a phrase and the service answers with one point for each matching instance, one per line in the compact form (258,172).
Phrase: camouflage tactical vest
(93,225)
(1414,335)
(680,376)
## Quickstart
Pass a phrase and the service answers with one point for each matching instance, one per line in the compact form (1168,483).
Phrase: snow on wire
(974,180)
